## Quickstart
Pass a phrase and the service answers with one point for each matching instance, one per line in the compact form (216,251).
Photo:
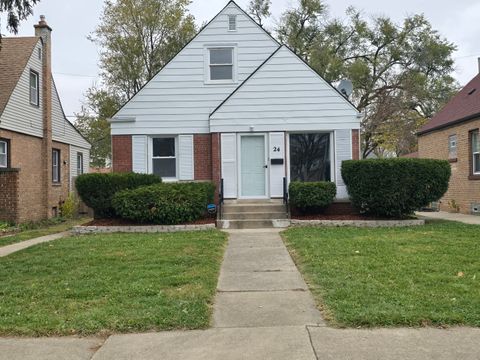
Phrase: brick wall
(122,153)
(203,156)
(434,145)
(216,163)
(356,144)
(9,179)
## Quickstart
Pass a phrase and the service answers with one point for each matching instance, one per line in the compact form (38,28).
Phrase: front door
(253,166)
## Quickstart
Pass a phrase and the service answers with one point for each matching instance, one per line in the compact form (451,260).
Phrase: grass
(418,276)
(34,230)
(118,283)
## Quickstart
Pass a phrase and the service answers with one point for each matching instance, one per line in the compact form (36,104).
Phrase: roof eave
(449,124)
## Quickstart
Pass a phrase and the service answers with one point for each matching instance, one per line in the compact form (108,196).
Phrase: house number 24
(276,149)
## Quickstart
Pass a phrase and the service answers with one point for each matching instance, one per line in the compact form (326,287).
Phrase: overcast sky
(75,58)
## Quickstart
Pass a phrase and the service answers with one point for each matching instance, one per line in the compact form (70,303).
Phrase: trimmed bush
(97,190)
(395,187)
(165,204)
(312,196)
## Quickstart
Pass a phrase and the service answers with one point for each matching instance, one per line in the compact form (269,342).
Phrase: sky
(75,58)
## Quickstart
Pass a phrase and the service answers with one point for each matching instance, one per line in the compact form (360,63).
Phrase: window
(164,157)
(232,23)
(452,146)
(56,166)
(79,163)
(3,153)
(221,64)
(39,54)
(310,158)
(476,152)
(34,88)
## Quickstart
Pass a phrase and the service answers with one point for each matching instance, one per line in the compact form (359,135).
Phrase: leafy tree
(259,9)
(93,123)
(401,73)
(16,11)
(137,38)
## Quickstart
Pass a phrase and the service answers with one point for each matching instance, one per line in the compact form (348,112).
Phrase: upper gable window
(34,88)
(232,22)
(221,64)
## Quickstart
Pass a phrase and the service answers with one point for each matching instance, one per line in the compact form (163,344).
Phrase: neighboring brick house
(453,135)
(236,105)
(41,152)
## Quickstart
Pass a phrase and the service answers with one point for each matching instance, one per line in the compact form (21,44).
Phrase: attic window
(34,88)
(232,23)
(472,91)
(39,52)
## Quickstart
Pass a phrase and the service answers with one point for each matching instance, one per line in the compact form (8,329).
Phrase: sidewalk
(263,310)
(443,215)
(10,249)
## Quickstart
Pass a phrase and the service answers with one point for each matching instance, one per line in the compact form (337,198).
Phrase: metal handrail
(221,198)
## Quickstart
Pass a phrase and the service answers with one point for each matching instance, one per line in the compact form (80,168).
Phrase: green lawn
(428,275)
(41,229)
(119,283)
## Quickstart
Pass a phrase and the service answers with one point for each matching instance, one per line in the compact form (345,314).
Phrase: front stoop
(258,214)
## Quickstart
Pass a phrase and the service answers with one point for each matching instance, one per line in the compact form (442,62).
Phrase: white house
(236,105)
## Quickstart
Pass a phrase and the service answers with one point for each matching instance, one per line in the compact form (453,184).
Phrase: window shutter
(229,164)
(185,147)
(139,154)
(343,151)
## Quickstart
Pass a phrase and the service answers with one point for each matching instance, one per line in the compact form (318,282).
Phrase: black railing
(221,198)
(285,191)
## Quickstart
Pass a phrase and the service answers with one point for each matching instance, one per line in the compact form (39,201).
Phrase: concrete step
(253,224)
(250,208)
(254,215)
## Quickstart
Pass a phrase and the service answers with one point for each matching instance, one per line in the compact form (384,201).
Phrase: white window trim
(56,171)
(80,169)
(207,49)
(229,17)
(176,157)
(37,97)
(475,152)
(452,150)
(6,154)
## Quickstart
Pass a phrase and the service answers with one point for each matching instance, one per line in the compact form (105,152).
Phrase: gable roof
(462,107)
(14,55)
(231,2)
(266,62)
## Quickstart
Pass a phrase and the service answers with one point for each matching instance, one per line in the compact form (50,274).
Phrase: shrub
(69,208)
(395,187)
(312,196)
(165,204)
(97,190)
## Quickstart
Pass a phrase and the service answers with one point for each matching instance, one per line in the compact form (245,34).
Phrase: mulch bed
(123,222)
(338,217)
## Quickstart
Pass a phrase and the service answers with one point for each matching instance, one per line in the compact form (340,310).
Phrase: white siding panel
(277,172)
(229,164)
(74,150)
(186,171)
(177,100)
(285,94)
(19,115)
(140,154)
(343,151)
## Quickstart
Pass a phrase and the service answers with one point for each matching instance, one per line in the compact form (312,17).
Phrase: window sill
(453,160)
(474,177)
(221,82)
(57,184)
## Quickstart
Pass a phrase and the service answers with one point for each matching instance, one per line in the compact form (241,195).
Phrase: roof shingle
(14,55)
(463,106)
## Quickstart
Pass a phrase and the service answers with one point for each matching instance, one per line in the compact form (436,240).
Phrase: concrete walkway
(263,311)
(443,215)
(10,249)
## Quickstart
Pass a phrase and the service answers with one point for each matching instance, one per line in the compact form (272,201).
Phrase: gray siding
(62,130)
(19,115)
(73,163)
(343,151)
(285,95)
(178,100)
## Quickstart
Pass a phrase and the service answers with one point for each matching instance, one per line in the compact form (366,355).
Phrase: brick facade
(122,153)
(464,190)
(203,156)
(216,163)
(356,144)
(9,180)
